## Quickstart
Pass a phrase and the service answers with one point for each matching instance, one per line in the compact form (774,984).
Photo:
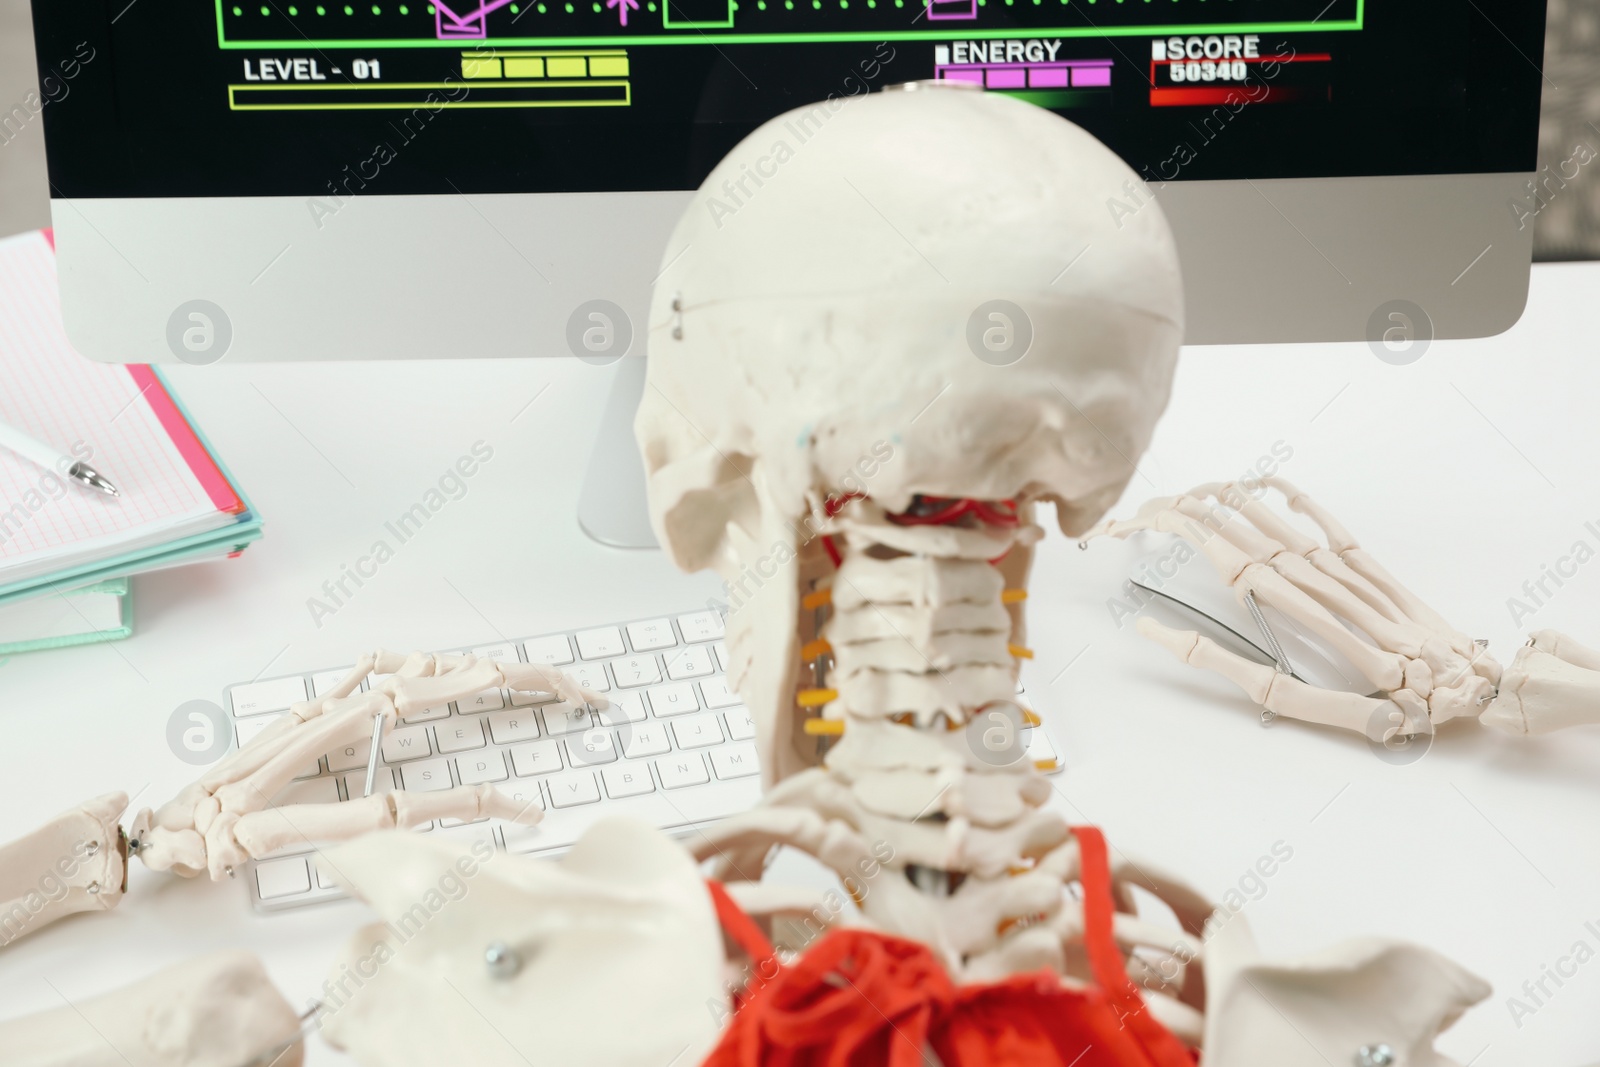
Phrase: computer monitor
(295,179)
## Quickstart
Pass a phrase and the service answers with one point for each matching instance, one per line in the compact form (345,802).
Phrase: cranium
(809,339)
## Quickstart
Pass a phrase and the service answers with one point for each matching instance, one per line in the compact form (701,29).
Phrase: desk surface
(1465,473)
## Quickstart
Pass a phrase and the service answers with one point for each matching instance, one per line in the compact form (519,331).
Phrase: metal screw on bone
(92,848)
(501,960)
(93,889)
(1374,1056)
(1267,717)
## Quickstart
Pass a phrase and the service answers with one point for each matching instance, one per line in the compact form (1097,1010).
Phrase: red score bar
(1228,92)
(1224,95)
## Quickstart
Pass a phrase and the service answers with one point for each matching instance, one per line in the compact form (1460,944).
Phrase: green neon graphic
(708,24)
(1072,32)
(1059,97)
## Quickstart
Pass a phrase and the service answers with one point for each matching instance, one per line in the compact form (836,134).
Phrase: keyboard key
(325,879)
(323,681)
(520,699)
(696,731)
(349,757)
(408,742)
(507,652)
(686,768)
(540,757)
(677,699)
(487,766)
(509,727)
(464,835)
(691,662)
(721,649)
(624,707)
(563,718)
(635,671)
(601,643)
(649,739)
(649,636)
(591,748)
(433,714)
(741,727)
(570,790)
(554,649)
(486,700)
(735,761)
(451,824)
(525,791)
(700,626)
(282,878)
(628,780)
(590,676)
(427,776)
(274,694)
(356,784)
(248,730)
(717,693)
(458,735)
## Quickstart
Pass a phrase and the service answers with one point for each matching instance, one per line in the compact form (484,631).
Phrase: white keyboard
(674,747)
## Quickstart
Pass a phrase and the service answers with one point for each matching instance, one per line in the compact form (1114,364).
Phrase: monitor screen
(331,98)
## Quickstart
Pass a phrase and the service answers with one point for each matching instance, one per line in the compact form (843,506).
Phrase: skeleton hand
(227,816)
(1424,670)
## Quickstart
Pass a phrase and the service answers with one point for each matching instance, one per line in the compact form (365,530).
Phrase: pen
(53,459)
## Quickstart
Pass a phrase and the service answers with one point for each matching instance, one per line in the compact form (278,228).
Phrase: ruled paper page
(90,411)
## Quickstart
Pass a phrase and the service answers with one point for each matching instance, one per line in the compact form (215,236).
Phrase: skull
(937,292)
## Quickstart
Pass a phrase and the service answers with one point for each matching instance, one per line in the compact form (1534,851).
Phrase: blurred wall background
(1567,227)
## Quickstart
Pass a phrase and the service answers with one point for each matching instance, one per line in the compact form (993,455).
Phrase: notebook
(99,612)
(178,502)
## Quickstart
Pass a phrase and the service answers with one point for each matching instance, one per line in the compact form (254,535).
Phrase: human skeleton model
(1419,670)
(875,642)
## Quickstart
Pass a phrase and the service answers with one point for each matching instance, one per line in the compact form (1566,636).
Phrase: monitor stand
(611,504)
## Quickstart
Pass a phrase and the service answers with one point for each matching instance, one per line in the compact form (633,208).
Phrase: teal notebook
(61,542)
(99,612)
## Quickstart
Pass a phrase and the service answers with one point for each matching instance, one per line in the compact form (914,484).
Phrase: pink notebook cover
(140,437)
(178,428)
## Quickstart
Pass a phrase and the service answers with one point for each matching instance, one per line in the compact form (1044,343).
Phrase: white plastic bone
(1326,1007)
(1553,682)
(619,955)
(75,862)
(219,1010)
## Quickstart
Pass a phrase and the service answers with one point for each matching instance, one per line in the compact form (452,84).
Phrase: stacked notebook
(66,551)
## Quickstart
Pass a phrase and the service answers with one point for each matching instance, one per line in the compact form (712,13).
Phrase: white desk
(1464,472)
